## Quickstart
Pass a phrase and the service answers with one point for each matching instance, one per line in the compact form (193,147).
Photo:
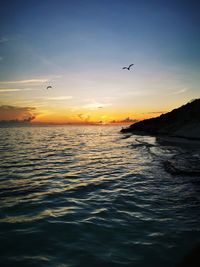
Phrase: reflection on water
(87,196)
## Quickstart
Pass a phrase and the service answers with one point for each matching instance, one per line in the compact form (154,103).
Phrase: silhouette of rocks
(186,163)
(181,122)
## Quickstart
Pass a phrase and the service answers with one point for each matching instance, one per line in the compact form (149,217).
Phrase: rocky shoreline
(187,164)
(183,122)
(180,127)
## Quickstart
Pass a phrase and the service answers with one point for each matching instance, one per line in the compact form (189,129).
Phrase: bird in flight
(49,87)
(128,68)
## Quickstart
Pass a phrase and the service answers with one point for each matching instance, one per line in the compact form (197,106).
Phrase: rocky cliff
(182,122)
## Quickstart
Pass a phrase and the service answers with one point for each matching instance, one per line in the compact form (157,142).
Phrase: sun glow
(75,74)
(87,116)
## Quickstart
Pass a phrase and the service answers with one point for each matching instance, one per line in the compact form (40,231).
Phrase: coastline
(182,124)
(187,161)
(177,140)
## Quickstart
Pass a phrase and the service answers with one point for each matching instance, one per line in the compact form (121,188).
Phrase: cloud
(84,117)
(3,90)
(60,97)
(1,58)
(31,81)
(3,40)
(95,105)
(80,116)
(8,113)
(181,91)
(126,120)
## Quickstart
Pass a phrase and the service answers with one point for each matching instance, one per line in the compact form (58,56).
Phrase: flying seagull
(128,68)
(49,87)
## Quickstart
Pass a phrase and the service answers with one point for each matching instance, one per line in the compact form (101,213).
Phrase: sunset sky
(79,48)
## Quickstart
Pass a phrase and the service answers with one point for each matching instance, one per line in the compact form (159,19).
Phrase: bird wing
(124,68)
(48,87)
(131,65)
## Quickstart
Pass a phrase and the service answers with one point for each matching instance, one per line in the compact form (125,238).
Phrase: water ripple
(87,196)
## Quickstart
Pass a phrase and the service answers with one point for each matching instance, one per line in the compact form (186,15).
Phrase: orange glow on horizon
(93,119)
(76,115)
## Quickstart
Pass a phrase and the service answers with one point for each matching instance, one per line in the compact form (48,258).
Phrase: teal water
(88,196)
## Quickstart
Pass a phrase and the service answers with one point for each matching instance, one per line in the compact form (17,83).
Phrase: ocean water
(90,196)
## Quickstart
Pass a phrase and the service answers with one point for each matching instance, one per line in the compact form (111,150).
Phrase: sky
(79,48)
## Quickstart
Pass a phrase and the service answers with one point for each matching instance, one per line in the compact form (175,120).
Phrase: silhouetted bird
(49,87)
(128,68)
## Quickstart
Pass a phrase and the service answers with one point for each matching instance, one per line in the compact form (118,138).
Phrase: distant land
(16,122)
(180,122)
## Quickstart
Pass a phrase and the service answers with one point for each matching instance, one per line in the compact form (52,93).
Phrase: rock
(181,122)
(186,163)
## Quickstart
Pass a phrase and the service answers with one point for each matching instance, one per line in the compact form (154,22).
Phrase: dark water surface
(87,196)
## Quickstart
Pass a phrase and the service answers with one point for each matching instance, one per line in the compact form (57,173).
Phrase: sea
(75,196)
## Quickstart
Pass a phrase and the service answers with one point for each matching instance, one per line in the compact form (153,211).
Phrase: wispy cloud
(3,90)
(95,105)
(60,97)
(181,91)
(9,90)
(31,81)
